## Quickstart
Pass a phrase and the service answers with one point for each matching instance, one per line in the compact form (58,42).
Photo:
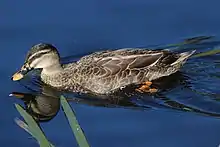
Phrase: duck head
(41,56)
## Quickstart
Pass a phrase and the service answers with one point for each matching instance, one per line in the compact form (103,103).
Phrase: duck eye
(27,67)
(24,71)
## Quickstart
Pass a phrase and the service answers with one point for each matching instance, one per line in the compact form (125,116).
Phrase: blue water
(81,27)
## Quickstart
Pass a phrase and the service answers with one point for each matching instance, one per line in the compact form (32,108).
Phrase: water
(81,27)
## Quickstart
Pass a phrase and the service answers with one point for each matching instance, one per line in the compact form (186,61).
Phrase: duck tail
(183,57)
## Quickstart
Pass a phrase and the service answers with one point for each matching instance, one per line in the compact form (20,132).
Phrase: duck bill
(20,74)
(17,76)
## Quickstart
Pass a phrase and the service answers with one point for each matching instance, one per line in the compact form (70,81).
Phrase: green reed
(31,126)
(208,53)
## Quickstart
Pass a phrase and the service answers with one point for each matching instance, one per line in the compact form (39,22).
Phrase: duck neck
(55,76)
(53,69)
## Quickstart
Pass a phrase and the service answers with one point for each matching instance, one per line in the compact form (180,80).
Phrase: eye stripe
(30,60)
(39,52)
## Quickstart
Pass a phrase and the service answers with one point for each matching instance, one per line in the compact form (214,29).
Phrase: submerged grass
(34,130)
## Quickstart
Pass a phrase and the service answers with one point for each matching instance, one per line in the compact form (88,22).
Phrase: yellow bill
(17,76)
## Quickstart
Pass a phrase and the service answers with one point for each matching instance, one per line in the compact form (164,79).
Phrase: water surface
(185,111)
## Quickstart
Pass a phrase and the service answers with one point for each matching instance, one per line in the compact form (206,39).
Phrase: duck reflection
(42,107)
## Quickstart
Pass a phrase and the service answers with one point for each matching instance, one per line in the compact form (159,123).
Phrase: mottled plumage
(106,71)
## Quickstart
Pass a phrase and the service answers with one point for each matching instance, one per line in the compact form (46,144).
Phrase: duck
(102,72)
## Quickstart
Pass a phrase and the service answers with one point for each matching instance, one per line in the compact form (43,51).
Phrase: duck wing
(118,63)
(109,63)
